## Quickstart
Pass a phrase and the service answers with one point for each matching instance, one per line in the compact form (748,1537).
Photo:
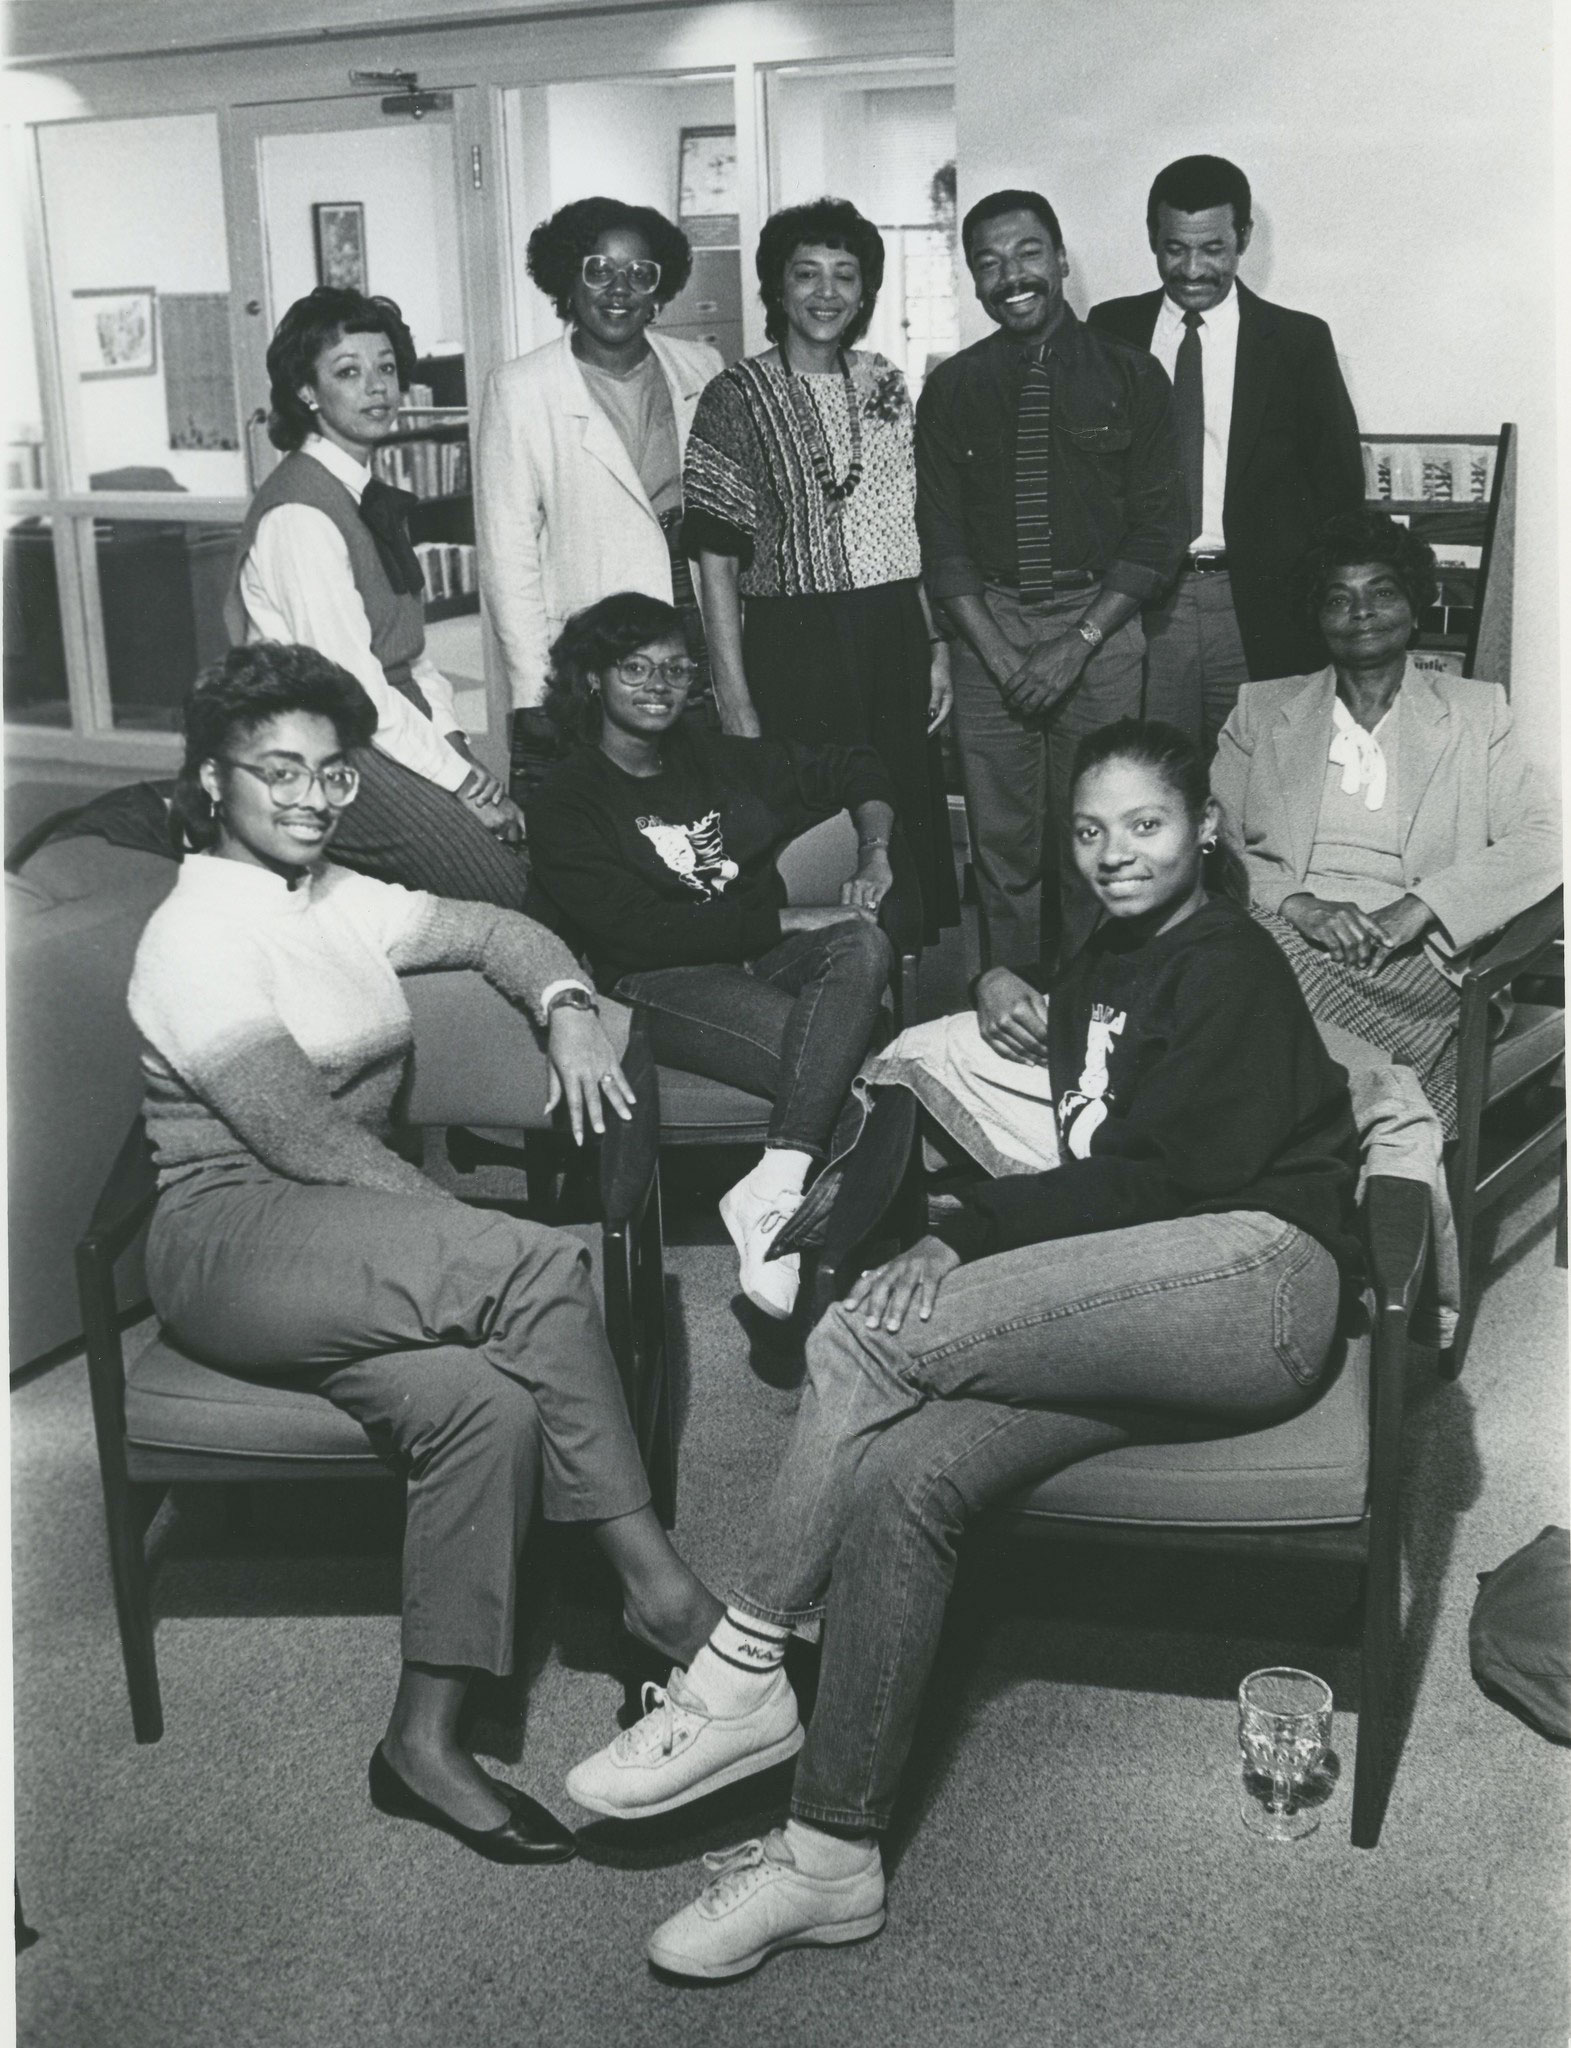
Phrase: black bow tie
(386,515)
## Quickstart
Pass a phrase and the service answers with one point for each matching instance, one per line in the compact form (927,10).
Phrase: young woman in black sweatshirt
(654,847)
(1185,1262)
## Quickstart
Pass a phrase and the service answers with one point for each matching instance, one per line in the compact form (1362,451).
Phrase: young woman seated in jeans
(654,849)
(1188,1255)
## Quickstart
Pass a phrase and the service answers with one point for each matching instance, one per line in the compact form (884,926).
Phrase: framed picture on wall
(115,331)
(339,226)
(706,201)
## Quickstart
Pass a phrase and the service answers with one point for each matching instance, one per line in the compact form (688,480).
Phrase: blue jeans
(1031,1360)
(793,1025)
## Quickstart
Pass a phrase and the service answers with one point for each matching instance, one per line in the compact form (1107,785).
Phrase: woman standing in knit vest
(325,561)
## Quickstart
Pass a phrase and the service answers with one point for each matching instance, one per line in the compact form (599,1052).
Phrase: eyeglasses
(600,273)
(638,668)
(291,785)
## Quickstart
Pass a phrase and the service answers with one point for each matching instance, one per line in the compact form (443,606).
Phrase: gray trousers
(1194,657)
(468,1344)
(1016,773)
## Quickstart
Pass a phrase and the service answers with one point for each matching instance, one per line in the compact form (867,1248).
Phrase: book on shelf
(449,569)
(427,469)
(1429,472)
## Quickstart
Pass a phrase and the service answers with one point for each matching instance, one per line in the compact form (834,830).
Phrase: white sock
(817,1854)
(737,1663)
(782,1171)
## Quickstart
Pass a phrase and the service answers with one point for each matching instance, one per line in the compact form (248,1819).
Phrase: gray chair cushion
(691,1107)
(1313,1469)
(174,1403)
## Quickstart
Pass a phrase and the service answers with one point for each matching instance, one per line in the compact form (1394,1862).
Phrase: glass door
(360,191)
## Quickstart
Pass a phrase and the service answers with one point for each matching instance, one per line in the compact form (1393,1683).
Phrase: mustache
(1033,283)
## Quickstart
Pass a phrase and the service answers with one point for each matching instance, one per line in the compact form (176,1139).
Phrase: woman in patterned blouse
(800,495)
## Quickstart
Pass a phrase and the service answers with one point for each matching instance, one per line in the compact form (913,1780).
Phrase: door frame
(479,208)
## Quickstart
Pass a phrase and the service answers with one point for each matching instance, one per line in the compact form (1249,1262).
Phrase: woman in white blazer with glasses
(579,461)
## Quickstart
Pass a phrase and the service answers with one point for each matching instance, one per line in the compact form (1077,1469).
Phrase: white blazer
(560,515)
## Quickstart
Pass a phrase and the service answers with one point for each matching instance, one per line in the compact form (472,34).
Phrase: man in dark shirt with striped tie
(1051,507)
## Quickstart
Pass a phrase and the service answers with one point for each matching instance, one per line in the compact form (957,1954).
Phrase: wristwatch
(1093,636)
(574,998)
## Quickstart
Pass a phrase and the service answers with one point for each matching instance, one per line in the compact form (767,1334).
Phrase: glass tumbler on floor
(1284,1732)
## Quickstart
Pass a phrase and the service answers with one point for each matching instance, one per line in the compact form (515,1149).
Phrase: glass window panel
(134,213)
(35,684)
(162,586)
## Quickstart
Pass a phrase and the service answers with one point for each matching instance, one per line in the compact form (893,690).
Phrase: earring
(1208,846)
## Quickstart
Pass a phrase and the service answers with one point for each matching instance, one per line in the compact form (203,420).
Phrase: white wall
(136,203)
(1401,158)
(622,136)
(872,140)
(404,178)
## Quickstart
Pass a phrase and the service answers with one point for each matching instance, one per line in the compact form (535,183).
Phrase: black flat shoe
(531,1836)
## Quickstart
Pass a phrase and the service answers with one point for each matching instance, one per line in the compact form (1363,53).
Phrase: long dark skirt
(851,669)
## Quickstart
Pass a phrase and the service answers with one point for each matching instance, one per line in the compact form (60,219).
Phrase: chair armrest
(630,1151)
(1396,1236)
(125,1201)
(1499,959)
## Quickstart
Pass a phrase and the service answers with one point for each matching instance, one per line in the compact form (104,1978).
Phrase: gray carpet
(1070,1868)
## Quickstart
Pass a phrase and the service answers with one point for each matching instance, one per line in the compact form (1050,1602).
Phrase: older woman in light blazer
(1390,817)
(579,456)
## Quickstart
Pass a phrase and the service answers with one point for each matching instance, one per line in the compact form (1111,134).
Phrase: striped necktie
(1033,478)
(1189,418)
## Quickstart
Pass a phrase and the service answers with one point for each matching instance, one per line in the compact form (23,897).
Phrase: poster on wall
(706,201)
(199,371)
(115,331)
(339,226)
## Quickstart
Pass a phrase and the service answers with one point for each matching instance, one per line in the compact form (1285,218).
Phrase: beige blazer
(1480,825)
(560,515)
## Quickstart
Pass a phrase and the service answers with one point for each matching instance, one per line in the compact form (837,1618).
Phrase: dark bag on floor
(1520,1635)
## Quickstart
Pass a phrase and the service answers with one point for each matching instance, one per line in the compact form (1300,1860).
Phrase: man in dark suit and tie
(1269,444)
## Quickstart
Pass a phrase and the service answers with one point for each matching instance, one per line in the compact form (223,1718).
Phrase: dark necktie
(1033,480)
(385,512)
(1189,418)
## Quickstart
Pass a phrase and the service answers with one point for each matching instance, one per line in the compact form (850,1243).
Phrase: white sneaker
(758,1902)
(753,1220)
(679,1751)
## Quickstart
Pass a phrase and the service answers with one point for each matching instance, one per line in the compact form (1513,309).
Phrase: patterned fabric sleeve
(720,505)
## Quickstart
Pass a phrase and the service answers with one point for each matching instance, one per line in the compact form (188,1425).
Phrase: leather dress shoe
(530,1835)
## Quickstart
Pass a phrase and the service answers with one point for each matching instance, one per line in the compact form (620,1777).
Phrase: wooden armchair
(1324,1486)
(1507,1127)
(167,1418)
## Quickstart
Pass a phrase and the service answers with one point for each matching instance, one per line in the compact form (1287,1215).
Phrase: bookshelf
(429,457)
(1458,492)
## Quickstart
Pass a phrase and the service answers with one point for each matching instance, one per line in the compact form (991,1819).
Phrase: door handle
(255,420)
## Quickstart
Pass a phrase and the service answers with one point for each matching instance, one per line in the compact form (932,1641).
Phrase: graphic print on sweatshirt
(695,852)
(1082,1109)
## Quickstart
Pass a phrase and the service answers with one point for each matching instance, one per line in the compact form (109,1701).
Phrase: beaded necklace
(835,493)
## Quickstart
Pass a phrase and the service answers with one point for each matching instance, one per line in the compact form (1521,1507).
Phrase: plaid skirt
(1404,1005)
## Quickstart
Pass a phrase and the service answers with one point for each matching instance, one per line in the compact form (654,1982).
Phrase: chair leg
(128,1509)
(650,1322)
(1382,1616)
